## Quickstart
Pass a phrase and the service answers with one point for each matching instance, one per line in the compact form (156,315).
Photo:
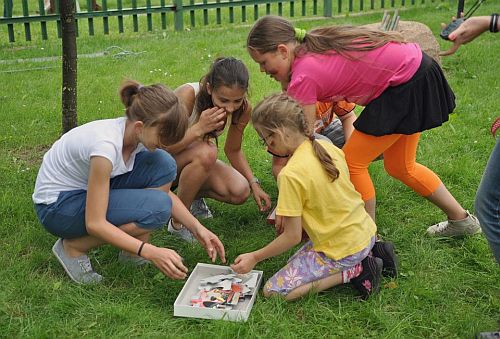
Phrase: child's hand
(211,243)
(167,260)
(244,263)
(261,198)
(212,119)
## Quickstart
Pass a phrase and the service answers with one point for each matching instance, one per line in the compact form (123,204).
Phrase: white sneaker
(199,209)
(452,228)
(183,233)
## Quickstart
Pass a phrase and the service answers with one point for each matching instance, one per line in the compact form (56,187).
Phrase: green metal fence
(30,15)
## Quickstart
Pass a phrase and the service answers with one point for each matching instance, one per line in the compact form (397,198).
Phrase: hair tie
(300,34)
(139,87)
(312,137)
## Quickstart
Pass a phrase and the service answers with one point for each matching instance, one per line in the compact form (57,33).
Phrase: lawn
(447,288)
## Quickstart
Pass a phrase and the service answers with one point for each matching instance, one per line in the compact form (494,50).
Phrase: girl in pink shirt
(403,90)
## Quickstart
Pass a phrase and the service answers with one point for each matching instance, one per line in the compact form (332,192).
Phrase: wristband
(494,23)
(140,249)
(254,180)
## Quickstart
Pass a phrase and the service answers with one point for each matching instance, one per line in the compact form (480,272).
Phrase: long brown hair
(281,111)
(270,31)
(224,71)
(155,105)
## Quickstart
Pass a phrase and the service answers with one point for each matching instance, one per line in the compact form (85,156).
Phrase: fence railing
(31,15)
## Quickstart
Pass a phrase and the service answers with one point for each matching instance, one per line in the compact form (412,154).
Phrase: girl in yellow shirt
(315,195)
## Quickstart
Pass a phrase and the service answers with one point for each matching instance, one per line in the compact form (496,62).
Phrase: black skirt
(422,103)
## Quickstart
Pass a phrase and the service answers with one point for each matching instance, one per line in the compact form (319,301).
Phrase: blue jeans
(487,202)
(129,200)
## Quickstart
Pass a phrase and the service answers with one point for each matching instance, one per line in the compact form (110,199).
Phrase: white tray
(182,305)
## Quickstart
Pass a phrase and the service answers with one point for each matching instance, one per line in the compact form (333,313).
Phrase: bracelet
(494,23)
(254,180)
(140,249)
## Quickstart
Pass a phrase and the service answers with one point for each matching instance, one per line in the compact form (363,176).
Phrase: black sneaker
(368,282)
(385,251)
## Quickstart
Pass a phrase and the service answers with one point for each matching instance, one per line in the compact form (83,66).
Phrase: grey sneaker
(183,233)
(127,258)
(452,228)
(200,209)
(79,269)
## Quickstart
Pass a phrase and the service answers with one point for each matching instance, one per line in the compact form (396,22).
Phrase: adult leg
(95,6)
(487,202)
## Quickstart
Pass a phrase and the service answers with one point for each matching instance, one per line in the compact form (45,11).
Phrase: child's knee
(239,193)
(396,171)
(267,293)
(159,207)
(159,158)
(270,290)
(206,155)
(161,167)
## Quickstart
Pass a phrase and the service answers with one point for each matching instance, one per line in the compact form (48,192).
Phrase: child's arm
(207,239)
(310,115)
(347,121)
(168,261)
(291,236)
(235,155)
(210,119)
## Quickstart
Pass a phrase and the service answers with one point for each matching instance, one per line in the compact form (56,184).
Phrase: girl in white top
(218,98)
(108,182)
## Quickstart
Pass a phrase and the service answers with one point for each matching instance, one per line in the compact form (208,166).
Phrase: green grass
(447,288)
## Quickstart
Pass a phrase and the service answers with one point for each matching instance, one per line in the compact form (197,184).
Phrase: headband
(300,34)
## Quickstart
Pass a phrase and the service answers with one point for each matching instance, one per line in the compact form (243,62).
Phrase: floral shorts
(307,265)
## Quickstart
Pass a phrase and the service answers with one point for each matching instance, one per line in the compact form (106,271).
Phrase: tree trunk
(69,65)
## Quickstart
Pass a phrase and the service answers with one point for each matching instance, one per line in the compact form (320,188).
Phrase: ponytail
(326,160)
(155,105)
(281,111)
(270,31)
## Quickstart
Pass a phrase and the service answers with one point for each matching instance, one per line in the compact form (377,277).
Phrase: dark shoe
(368,282)
(385,251)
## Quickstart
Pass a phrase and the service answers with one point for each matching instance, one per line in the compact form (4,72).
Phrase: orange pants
(399,161)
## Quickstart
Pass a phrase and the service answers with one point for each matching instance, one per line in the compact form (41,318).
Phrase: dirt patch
(29,156)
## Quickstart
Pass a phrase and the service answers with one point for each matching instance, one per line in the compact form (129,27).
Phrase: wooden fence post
(178,15)
(327,8)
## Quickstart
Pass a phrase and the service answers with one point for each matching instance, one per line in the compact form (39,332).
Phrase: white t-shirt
(195,86)
(66,165)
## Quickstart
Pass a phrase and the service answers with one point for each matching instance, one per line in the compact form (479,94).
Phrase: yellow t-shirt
(333,214)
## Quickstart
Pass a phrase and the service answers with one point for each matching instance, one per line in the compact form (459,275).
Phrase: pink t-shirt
(332,77)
